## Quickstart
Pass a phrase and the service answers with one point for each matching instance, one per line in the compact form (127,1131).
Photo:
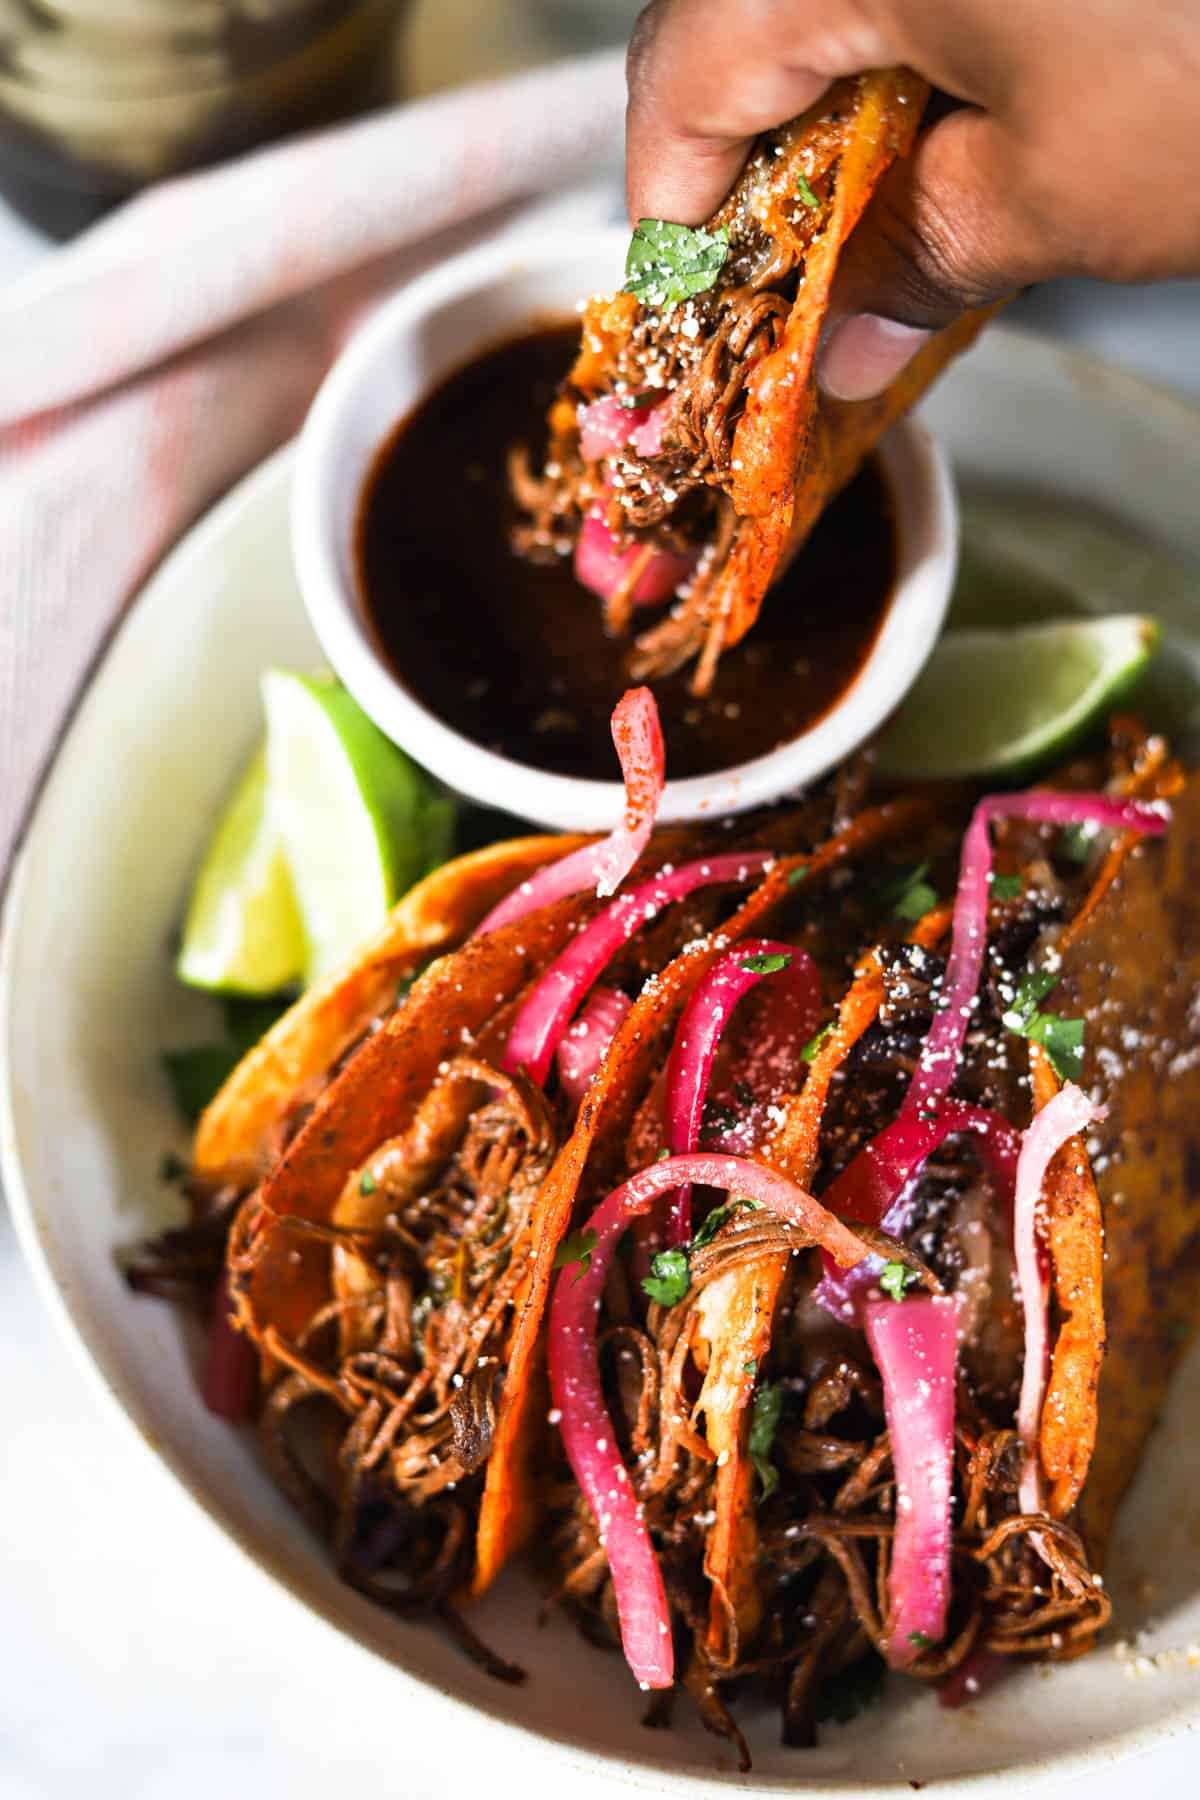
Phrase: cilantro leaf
(576,1247)
(246,1021)
(751,1367)
(797,875)
(1006,887)
(809,1052)
(367,1182)
(1076,842)
(668,263)
(919,1641)
(915,896)
(896,1277)
(1031,990)
(195,1076)
(1061,1039)
(718,1217)
(805,192)
(669,1278)
(764,1419)
(767,962)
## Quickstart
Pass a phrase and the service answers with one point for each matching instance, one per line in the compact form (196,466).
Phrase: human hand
(1074,151)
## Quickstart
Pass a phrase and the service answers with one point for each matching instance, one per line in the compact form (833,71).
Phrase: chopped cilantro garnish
(797,875)
(1076,842)
(1031,990)
(809,1052)
(663,1154)
(720,1215)
(1006,887)
(668,263)
(1061,1039)
(764,1419)
(367,1183)
(751,1367)
(576,1247)
(919,1641)
(766,962)
(669,1278)
(805,192)
(895,1277)
(915,896)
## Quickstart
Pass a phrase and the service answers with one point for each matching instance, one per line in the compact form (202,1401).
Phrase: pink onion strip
(915,1345)
(979,1670)
(607,426)
(797,989)
(1069,1112)
(231,1368)
(878,1186)
(586,1042)
(578,1394)
(538,1027)
(942,1049)
(638,737)
(603,564)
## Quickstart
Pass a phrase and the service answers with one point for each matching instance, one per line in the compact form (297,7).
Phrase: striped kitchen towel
(148,365)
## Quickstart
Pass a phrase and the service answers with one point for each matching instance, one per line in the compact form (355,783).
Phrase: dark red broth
(514,655)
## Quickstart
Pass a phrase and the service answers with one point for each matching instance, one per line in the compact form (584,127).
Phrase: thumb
(949,229)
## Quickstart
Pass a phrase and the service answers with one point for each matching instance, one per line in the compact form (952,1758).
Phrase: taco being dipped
(735,1224)
(689,452)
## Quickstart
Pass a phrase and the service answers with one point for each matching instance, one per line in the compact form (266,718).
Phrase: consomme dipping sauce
(513,654)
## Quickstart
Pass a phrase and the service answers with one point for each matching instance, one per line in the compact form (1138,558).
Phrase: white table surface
(136,1661)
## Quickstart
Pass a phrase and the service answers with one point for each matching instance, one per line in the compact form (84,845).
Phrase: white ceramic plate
(87,1000)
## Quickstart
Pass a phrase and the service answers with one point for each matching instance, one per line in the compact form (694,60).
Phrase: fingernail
(864,354)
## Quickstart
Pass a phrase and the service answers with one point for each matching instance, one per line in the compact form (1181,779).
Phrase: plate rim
(1031,348)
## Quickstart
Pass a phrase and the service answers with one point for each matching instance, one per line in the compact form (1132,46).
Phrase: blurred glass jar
(97,97)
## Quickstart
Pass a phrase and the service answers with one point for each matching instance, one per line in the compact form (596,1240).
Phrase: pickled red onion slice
(543,1018)
(877,1187)
(231,1370)
(607,426)
(637,735)
(586,1041)
(578,1394)
(603,564)
(1059,1120)
(915,1345)
(942,1049)
(796,992)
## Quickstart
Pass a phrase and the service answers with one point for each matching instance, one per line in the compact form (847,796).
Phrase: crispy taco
(689,453)
(730,1204)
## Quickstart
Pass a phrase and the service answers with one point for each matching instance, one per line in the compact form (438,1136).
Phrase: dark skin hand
(1073,151)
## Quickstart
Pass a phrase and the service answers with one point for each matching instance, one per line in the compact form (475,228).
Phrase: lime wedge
(243,933)
(993,702)
(355,818)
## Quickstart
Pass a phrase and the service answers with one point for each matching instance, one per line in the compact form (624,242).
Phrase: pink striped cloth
(155,360)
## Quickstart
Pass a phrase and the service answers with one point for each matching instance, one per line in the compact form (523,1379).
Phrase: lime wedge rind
(998,702)
(242,933)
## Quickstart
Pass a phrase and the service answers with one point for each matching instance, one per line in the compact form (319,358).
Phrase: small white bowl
(410,345)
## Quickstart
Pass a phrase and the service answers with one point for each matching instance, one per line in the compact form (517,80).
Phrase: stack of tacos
(738,1226)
